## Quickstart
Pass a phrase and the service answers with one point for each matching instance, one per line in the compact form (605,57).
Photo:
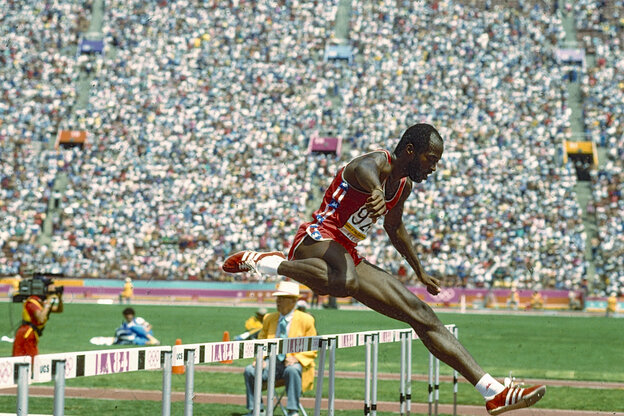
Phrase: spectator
(612,305)
(127,293)
(573,301)
(514,299)
(537,302)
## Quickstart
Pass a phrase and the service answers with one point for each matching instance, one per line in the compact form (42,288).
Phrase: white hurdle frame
(408,375)
(368,379)
(58,372)
(58,367)
(332,377)
(455,376)
(271,378)
(319,378)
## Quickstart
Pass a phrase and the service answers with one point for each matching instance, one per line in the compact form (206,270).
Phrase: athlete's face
(426,163)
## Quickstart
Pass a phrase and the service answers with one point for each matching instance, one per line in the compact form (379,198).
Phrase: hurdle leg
(430,387)
(402,376)
(367,376)
(455,375)
(258,380)
(319,378)
(22,388)
(375,356)
(332,375)
(408,374)
(166,383)
(190,380)
(437,385)
(271,378)
(58,368)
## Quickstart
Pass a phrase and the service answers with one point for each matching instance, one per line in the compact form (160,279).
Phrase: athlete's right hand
(433,284)
(376,204)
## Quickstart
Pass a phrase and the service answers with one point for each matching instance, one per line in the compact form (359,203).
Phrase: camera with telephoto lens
(38,285)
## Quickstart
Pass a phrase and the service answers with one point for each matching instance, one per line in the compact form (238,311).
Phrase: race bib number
(357,226)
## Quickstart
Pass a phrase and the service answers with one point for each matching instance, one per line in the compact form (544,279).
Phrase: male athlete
(324,255)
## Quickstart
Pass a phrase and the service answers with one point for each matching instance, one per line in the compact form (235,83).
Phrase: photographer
(35,313)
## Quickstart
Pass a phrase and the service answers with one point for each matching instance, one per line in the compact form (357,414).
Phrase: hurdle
(15,371)
(61,366)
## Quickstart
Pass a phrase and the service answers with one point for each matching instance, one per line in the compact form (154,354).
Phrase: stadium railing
(15,371)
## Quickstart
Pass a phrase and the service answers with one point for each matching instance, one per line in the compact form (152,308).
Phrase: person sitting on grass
(134,330)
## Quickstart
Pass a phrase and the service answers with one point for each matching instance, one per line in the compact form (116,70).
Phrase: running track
(341,404)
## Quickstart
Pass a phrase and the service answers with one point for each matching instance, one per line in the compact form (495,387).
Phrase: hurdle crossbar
(14,371)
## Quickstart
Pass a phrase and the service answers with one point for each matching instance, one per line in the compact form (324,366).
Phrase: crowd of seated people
(38,42)
(201,123)
(488,79)
(603,91)
(213,150)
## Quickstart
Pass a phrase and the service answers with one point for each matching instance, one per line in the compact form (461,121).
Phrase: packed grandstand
(199,116)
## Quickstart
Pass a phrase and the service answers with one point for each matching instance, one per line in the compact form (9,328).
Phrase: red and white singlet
(343,216)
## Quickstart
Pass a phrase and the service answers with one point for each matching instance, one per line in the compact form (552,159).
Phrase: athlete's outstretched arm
(401,240)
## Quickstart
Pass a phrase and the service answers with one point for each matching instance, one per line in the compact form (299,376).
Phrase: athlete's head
(129,314)
(424,146)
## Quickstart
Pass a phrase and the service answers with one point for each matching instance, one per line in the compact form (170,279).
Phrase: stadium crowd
(500,195)
(200,125)
(214,151)
(37,75)
(603,90)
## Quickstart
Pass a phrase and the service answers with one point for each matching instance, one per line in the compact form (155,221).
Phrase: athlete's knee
(424,316)
(352,283)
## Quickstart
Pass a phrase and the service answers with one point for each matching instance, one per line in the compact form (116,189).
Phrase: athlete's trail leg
(323,266)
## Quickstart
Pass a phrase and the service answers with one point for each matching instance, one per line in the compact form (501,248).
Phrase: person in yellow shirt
(612,302)
(128,291)
(14,288)
(537,302)
(296,369)
(253,325)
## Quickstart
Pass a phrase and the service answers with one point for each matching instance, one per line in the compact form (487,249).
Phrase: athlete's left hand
(433,284)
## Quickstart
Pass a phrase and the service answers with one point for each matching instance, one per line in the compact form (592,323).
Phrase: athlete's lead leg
(385,294)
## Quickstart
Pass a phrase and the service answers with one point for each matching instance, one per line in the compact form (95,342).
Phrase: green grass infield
(529,346)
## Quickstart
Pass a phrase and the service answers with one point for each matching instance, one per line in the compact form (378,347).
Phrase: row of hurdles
(20,372)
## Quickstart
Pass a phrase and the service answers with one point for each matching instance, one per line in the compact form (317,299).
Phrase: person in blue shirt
(134,330)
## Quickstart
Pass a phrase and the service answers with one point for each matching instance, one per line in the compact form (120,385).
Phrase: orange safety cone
(226,337)
(178,369)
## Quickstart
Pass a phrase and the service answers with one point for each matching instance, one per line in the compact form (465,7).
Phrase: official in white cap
(296,369)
